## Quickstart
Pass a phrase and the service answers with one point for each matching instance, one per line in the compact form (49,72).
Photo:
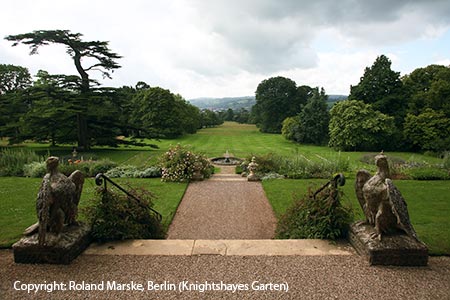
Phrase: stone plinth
(253,177)
(397,250)
(59,249)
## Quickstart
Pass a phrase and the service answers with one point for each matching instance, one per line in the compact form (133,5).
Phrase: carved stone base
(59,249)
(197,176)
(396,250)
(253,177)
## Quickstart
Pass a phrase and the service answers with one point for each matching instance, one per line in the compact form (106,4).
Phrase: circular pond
(230,161)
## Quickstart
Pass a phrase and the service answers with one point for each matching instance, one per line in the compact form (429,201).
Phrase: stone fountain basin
(227,161)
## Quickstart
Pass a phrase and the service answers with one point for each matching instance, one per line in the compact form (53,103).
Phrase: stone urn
(197,176)
(252,167)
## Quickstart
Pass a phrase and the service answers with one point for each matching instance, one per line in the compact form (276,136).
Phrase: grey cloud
(275,35)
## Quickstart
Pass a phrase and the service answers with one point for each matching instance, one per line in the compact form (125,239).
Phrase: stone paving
(225,206)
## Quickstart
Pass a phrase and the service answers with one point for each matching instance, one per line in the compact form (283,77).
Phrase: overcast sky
(222,48)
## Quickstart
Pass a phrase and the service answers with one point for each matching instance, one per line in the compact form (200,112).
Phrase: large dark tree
(382,87)
(13,78)
(14,81)
(428,88)
(310,126)
(157,113)
(276,99)
(98,52)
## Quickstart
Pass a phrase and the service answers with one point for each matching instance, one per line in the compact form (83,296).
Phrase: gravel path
(308,277)
(226,206)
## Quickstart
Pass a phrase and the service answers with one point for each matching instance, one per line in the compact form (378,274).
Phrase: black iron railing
(103,179)
(339,179)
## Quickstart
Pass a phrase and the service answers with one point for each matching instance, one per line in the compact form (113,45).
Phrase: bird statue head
(382,163)
(52,163)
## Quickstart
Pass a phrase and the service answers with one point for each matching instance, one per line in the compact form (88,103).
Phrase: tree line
(383,111)
(69,108)
(45,110)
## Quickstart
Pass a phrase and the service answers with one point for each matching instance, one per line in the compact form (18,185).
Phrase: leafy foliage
(446,161)
(381,87)
(51,111)
(115,216)
(35,169)
(12,161)
(13,78)
(159,113)
(208,118)
(355,125)
(89,168)
(310,126)
(428,173)
(97,52)
(276,99)
(128,171)
(298,166)
(76,48)
(292,129)
(320,218)
(179,164)
(428,88)
(429,130)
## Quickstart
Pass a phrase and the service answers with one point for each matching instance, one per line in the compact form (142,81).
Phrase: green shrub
(369,159)
(35,169)
(89,168)
(125,171)
(298,166)
(428,173)
(270,176)
(320,218)
(239,169)
(150,172)
(100,166)
(115,216)
(446,161)
(128,171)
(12,161)
(178,164)
(68,169)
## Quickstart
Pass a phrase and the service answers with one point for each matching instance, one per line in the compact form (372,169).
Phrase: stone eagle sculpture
(382,203)
(57,200)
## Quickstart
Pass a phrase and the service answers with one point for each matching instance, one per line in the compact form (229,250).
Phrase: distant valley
(238,103)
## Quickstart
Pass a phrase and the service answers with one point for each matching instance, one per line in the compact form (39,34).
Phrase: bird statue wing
(78,179)
(361,178)
(400,209)
(43,208)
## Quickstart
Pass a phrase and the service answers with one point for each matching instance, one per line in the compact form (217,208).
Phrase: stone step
(306,247)
(227,179)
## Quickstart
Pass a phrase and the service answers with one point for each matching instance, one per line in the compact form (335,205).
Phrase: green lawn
(18,200)
(244,139)
(428,205)
(241,140)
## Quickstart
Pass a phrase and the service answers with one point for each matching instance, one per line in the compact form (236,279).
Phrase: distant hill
(236,103)
(332,99)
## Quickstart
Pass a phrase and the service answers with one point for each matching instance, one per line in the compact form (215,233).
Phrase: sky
(225,48)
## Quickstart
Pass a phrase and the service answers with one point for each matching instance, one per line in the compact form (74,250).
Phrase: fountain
(226,160)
